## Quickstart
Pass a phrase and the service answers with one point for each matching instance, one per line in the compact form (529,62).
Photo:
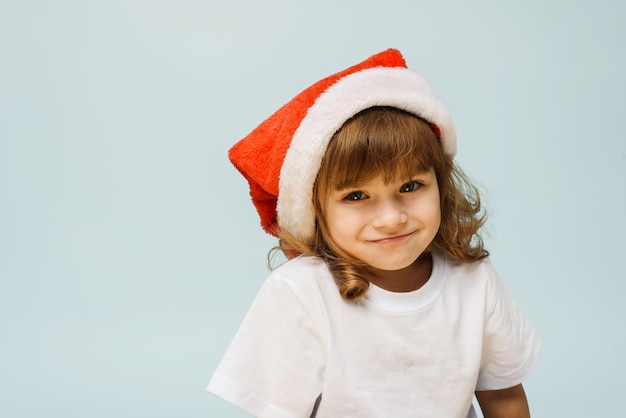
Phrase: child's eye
(410,186)
(355,196)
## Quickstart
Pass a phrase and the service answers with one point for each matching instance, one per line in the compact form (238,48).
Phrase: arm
(505,403)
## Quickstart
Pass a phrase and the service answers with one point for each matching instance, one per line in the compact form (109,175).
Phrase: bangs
(379,141)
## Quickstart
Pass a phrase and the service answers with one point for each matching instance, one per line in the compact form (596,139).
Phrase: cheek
(337,237)
(437,219)
(342,225)
(337,229)
(434,213)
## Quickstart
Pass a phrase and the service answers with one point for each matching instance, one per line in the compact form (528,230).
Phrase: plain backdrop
(129,249)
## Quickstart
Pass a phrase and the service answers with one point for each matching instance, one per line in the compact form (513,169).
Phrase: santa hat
(281,157)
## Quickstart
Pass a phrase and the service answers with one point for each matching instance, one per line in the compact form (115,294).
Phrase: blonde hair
(394,144)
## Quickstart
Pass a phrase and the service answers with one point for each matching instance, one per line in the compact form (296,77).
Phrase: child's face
(387,226)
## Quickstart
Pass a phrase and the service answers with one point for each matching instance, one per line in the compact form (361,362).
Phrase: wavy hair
(394,144)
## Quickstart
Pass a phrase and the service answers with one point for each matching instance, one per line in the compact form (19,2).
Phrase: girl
(389,306)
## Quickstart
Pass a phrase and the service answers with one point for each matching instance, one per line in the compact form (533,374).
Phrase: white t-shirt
(415,354)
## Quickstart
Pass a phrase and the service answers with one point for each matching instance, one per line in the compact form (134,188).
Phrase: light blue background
(129,250)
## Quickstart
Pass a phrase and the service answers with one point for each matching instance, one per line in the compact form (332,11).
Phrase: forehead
(379,142)
(398,175)
(376,179)
(365,162)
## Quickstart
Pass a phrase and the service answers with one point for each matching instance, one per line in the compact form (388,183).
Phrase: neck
(407,279)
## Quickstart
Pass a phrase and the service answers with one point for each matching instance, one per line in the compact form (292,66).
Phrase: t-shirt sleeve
(273,367)
(510,344)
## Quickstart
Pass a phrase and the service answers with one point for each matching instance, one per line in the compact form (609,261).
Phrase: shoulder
(476,281)
(305,278)
(299,265)
(301,271)
(477,272)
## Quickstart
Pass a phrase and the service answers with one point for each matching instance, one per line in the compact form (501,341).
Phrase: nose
(389,213)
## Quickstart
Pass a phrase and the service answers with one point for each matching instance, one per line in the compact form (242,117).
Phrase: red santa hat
(281,157)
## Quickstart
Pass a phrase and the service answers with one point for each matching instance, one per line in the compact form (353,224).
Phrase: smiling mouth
(391,240)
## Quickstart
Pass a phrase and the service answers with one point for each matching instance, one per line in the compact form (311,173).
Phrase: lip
(391,240)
